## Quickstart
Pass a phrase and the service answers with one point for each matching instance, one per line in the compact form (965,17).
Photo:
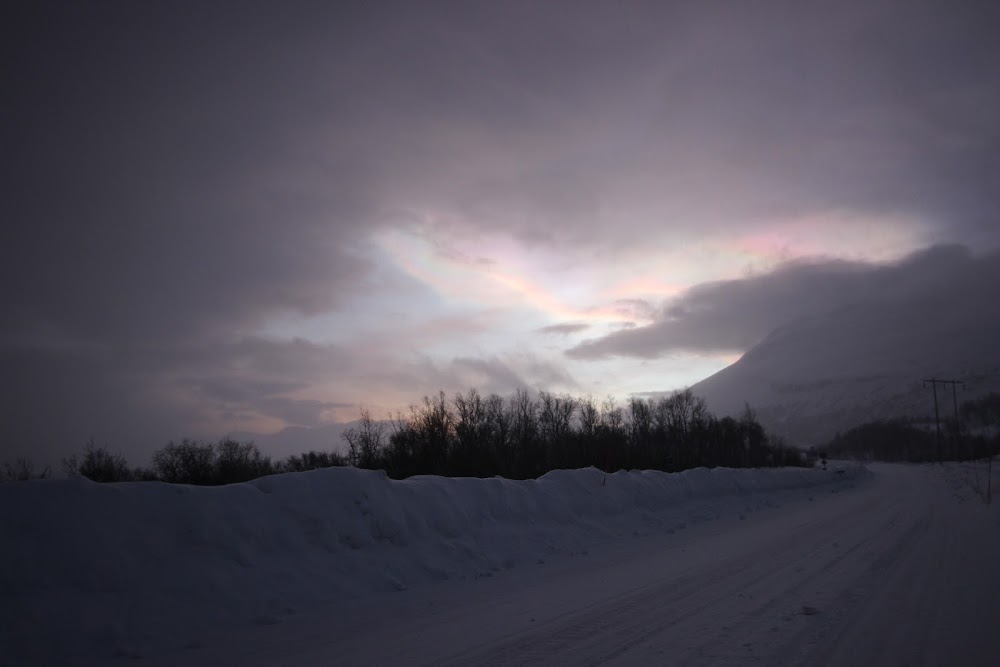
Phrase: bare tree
(98,464)
(366,442)
(22,470)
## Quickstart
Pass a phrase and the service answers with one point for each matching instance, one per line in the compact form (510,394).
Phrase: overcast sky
(239,217)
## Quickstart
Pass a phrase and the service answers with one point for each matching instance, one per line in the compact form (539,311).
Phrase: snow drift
(99,570)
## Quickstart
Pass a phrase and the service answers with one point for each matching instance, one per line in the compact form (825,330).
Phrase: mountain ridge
(818,375)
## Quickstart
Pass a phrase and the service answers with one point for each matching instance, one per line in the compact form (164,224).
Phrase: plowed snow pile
(91,571)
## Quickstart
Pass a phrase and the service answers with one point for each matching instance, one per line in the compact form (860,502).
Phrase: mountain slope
(819,375)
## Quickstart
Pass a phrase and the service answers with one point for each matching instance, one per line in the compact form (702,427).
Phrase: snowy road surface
(901,568)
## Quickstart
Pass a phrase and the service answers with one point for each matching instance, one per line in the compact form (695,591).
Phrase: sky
(248,217)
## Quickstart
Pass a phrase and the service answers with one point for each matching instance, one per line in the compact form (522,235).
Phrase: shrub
(311,461)
(886,440)
(22,470)
(226,462)
(186,462)
(239,462)
(98,464)
(141,474)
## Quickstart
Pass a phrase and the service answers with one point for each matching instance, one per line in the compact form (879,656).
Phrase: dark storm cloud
(187,168)
(734,315)
(615,123)
(159,184)
(165,191)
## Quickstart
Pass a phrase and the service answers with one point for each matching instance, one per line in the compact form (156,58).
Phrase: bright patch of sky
(441,292)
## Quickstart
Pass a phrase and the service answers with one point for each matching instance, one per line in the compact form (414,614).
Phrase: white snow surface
(887,565)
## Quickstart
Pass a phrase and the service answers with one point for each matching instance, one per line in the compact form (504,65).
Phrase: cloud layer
(734,315)
(196,197)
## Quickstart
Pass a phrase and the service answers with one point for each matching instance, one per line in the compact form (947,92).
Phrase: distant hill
(814,377)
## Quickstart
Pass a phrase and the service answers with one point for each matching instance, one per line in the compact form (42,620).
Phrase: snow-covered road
(900,568)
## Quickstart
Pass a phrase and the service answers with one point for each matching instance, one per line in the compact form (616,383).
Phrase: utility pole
(958,428)
(937,419)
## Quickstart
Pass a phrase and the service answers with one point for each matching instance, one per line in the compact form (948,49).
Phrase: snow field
(90,571)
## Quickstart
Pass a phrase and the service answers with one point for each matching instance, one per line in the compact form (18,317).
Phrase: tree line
(227,461)
(525,435)
(519,436)
(975,435)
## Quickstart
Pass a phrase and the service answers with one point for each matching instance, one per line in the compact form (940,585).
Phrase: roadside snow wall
(97,569)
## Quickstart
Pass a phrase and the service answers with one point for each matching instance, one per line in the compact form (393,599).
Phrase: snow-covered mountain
(819,375)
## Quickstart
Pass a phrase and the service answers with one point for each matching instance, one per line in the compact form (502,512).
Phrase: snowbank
(98,570)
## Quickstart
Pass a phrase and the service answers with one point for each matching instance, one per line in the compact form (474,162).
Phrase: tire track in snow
(612,628)
(849,559)
(934,600)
